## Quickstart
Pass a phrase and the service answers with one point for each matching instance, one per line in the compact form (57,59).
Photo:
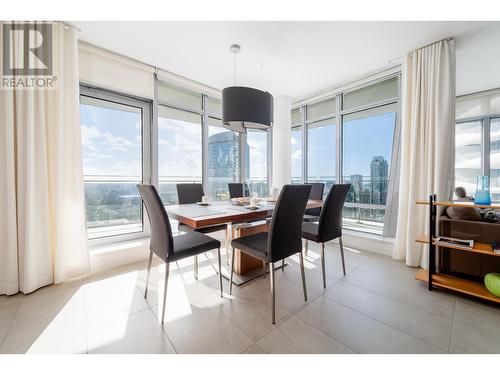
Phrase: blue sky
(112,145)
(363,139)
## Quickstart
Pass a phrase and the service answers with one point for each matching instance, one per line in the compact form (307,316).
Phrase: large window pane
(256,162)
(376,93)
(179,150)
(112,165)
(296,150)
(321,109)
(321,153)
(223,159)
(468,155)
(367,151)
(495,159)
(179,96)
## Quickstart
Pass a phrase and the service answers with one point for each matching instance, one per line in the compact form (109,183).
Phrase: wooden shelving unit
(457,284)
(445,281)
(479,247)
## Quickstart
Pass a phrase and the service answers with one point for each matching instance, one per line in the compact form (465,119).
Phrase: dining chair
(236,190)
(192,193)
(329,226)
(283,238)
(169,248)
(312,214)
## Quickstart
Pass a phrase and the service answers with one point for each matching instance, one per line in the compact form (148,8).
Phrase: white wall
(478,59)
(281,141)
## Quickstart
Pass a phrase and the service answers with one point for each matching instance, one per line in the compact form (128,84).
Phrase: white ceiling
(299,58)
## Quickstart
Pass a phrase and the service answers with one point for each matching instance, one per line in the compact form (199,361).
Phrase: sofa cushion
(463,213)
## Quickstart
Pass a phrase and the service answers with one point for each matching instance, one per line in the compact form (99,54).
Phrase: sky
(363,139)
(111,141)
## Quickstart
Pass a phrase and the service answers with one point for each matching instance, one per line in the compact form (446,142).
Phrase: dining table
(241,220)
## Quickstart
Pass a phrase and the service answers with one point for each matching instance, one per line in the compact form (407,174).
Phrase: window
(321,153)
(223,159)
(112,136)
(495,159)
(367,153)
(350,137)
(179,151)
(477,141)
(468,155)
(256,162)
(296,150)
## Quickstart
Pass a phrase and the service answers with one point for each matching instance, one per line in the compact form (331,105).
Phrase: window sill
(368,242)
(115,254)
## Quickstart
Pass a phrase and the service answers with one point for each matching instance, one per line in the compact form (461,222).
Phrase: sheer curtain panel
(427,146)
(42,219)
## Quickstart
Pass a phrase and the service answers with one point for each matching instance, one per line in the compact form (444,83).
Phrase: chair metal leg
(283,264)
(322,245)
(342,253)
(149,272)
(231,272)
(227,243)
(220,272)
(195,267)
(167,271)
(273,291)
(302,272)
(306,247)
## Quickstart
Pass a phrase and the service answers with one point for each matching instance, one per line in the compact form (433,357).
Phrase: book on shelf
(496,247)
(455,242)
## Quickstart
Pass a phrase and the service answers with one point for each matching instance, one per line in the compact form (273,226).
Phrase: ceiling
(299,58)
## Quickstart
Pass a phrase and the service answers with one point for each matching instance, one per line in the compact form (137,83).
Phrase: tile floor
(377,308)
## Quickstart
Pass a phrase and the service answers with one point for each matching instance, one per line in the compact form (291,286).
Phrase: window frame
(145,106)
(485,150)
(391,207)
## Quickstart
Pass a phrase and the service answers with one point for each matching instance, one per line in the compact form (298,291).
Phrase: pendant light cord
(234,78)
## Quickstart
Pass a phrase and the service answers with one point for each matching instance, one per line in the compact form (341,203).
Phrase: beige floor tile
(359,332)
(416,322)
(298,337)
(204,330)
(139,333)
(405,289)
(110,296)
(476,328)
(45,319)
(254,349)
(250,311)
(9,305)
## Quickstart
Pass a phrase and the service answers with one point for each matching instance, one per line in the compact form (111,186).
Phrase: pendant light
(245,107)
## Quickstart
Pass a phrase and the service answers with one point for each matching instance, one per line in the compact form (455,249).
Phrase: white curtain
(42,219)
(427,143)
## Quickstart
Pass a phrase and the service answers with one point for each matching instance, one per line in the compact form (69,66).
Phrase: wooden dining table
(242,221)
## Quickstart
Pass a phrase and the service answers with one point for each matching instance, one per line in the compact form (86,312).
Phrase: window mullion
(485,147)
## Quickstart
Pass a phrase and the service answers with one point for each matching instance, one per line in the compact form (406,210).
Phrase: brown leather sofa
(462,263)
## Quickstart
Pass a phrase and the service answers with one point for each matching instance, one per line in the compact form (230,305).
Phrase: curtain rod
(437,41)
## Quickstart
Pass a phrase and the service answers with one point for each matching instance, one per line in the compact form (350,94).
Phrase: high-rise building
(379,176)
(223,162)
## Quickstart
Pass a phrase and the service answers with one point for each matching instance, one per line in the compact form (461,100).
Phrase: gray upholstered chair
(237,190)
(193,193)
(283,238)
(312,214)
(169,248)
(329,225)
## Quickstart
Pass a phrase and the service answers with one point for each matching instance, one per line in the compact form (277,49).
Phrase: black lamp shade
(246,108)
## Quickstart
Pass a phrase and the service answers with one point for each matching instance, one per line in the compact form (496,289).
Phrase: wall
(478,59)
(281,141)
